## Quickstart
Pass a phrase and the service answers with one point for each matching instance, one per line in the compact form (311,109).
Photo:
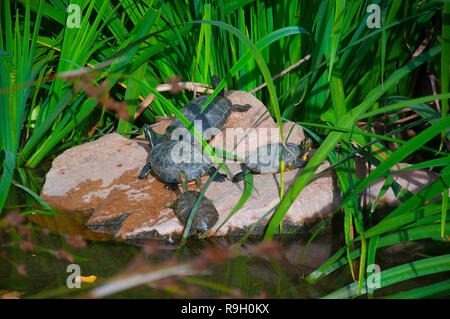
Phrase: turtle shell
(205,217)
(214,116)
(167,159)
(266,159)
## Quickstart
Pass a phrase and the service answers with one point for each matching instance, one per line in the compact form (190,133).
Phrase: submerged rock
(100,180)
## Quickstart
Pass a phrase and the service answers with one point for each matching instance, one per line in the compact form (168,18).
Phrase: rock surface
(99,179)
(241,123)
(134,209)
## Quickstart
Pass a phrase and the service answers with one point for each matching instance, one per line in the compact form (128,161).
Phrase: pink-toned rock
(83,176)
(100,179)
(412,180)
(316,201)
(242,131)
(242,124)
(144,203)
(133,209)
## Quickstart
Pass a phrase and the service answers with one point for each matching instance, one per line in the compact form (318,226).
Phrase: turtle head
(201,229)
(215,80)
(184,181)
(202,233)
(305,147)
(150,135)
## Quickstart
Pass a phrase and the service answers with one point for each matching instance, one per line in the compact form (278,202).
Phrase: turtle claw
(240,108)
(238,177)
(171,186)
(145,171)
(220,178)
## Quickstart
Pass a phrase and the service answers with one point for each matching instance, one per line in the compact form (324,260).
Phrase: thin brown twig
(385,117)
(422,46)
(388,116)
(406,119)
(433,88)
(120,284)
(190,86)
(293,66)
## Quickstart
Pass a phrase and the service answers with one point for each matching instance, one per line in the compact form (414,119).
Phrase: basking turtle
(169,158)
(206,215)
(266,159)
(212,119)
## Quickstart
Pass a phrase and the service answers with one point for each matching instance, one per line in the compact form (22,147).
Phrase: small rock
(83,176)
(412,180)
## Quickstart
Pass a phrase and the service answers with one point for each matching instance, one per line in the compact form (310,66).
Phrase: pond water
(37,266)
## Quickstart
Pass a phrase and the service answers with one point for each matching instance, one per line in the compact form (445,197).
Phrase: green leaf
(34,195)
(441,288)
(397,274)
(333,138)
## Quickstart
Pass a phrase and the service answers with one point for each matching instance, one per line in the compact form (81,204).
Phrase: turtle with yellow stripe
(206,215)
(212,119)
(266,159)
(168,158)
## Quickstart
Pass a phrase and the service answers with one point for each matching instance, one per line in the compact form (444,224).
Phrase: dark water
(243,274)
(248,271)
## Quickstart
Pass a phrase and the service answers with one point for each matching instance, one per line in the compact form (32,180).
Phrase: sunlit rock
(100,179)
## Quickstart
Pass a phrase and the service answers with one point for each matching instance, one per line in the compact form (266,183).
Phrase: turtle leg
(240,108)
(298,163)
(219,177)
(240,176)
(198,181)
(215,80)
(145,171)
(171,186)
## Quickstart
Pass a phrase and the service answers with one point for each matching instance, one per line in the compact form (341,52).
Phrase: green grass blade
(404,151)
(9,164)
(372,249)
(34,195)
(261,64)
(333,138)
(415,233)
(445,61)
(441,288)
(397,274)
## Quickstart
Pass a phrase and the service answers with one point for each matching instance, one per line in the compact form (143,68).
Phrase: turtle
(206,215)
(168,157)
(266,159)
(212,119)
